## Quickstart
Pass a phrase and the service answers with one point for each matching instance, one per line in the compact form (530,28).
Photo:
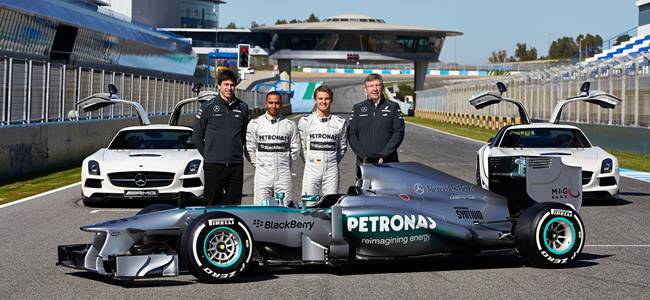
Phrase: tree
(498,57)
(231,25)
(254,24)
(590,45)
(280,22)
(293,21)
(522,53)
(312,18)
(563,48)
(621,39)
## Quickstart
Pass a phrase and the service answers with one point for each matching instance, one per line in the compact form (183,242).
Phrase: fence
(625,77)
(43,92)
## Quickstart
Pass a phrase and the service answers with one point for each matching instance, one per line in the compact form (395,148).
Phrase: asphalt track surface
(614,264)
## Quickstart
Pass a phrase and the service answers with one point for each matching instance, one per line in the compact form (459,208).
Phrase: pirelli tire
(549,235)
(216,247)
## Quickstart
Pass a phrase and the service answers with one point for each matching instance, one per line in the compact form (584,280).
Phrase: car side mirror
(196,88)
(584,89)
(502,87)
(112,90)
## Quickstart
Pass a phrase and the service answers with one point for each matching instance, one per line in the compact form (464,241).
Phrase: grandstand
(639,42)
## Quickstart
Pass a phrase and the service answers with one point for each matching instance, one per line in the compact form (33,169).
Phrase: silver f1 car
(398,211)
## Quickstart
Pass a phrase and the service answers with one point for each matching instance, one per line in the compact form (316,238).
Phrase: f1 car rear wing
(488,98)
(200,98)
(599,98)
(100,100)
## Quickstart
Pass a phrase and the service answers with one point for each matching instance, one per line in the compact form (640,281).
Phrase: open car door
(489,98)
(599,98)
(100,100)
(202,97)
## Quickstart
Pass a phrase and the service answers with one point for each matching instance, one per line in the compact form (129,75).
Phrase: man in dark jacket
(220,136)
(376,126)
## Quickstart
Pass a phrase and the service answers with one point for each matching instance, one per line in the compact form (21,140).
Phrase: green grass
(628,160)
(20,189)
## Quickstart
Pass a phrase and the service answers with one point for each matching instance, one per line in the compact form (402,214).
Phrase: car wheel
(154,208)
(549,235)
(217,247)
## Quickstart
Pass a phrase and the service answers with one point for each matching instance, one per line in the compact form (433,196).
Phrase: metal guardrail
(627,77)
(43,92)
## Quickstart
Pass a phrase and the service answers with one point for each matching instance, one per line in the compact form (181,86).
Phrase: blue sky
(487,25)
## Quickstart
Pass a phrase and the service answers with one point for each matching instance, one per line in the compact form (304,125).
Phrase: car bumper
(98,186)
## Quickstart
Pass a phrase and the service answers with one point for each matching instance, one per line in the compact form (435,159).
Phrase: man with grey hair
(376,126)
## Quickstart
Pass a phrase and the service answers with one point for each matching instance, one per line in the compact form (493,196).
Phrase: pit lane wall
(38,148)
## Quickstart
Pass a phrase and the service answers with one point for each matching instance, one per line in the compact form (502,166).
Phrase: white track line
(458,136)
(94,211)
(39,195)
(617,245)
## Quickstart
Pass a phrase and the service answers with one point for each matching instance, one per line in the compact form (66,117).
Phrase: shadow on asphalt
(146,283)
(605,202)
(636,194)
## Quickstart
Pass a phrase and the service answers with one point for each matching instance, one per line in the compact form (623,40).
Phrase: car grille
(607,181)
(141,179)
(503,164)
(586,177)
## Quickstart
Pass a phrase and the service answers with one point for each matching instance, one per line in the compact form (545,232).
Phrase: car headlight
(93,167)
(607,165)
(192,167)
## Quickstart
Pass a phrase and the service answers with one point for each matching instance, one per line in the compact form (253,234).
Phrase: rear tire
(217,247)
(549,235)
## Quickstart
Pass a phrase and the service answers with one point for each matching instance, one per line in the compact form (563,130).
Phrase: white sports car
(600,177)
(156,162)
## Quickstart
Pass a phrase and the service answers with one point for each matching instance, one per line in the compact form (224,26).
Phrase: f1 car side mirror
(112,90)
(196,87)
(502,87)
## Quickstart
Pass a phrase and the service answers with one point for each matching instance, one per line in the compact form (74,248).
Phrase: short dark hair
(226,75)
(273,93)
(325,89)
(373,77)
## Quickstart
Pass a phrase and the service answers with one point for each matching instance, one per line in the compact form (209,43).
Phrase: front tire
(217,247)
(549,235)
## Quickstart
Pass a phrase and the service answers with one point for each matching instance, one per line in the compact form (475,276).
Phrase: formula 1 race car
(398,211)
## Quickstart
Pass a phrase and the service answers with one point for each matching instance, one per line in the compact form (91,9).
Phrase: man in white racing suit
(324,142)
(272,143)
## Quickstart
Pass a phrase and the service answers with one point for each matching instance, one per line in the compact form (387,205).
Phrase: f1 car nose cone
(140,180)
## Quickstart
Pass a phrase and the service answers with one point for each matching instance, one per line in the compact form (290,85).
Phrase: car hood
(587,158)
(164,160)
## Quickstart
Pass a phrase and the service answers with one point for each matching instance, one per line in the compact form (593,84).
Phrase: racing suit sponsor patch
(272,147)
(322,146)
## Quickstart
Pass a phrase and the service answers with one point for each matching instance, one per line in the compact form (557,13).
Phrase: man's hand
(381,160)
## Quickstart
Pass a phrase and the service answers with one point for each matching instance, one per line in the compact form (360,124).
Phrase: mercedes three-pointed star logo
(418,189)
(140,180)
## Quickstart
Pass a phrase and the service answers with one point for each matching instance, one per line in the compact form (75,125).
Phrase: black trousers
(223,184)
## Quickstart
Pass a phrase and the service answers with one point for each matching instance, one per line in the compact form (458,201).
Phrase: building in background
(81,33)
(169,13)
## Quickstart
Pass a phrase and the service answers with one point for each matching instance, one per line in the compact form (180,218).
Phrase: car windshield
(153,139)
(544,138)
